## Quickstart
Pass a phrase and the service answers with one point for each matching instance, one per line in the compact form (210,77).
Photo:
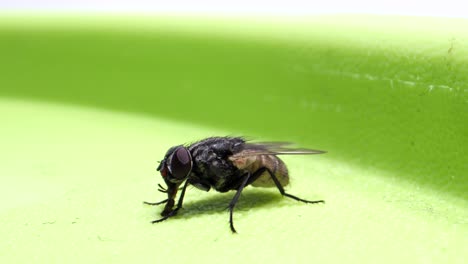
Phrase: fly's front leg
(161,189)
(168,211)
(157,203)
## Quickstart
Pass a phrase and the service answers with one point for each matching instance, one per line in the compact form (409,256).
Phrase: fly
(224,164)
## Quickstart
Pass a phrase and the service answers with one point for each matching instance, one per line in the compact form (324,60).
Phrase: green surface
(386,96)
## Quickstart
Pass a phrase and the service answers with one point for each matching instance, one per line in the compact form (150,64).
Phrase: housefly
(224,164)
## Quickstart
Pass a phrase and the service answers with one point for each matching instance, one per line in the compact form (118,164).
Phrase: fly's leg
(234,200)
(248,179)
(179,205)
(171,213)
(158,203)
(163,189)
(281,189)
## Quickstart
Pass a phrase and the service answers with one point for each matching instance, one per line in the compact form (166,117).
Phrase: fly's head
(175,168)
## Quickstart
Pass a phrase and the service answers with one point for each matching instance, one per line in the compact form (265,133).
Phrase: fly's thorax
(252,163)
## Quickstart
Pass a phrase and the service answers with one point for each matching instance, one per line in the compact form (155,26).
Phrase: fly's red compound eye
(162,168)
(164,171)
(180,163)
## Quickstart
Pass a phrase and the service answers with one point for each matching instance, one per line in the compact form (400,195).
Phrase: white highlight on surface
(448,8)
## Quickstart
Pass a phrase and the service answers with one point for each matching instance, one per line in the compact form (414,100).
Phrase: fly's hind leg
(281,189)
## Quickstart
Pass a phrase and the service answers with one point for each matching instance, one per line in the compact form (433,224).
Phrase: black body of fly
(224,164)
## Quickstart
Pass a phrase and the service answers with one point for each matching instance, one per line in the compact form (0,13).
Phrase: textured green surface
(386,96)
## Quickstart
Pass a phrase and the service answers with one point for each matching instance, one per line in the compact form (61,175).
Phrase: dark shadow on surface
(217,203)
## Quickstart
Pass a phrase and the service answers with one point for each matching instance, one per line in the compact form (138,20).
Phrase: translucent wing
(275,148)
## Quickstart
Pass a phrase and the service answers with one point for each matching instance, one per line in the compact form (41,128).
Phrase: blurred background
(382,86)
(450,8)
(379,90)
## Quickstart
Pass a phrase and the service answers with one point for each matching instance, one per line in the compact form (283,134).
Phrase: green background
(89,104)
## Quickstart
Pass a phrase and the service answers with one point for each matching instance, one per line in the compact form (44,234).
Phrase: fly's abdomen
(252,163)
(276,166)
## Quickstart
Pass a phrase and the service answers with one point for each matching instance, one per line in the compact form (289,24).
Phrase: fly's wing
(276,148)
